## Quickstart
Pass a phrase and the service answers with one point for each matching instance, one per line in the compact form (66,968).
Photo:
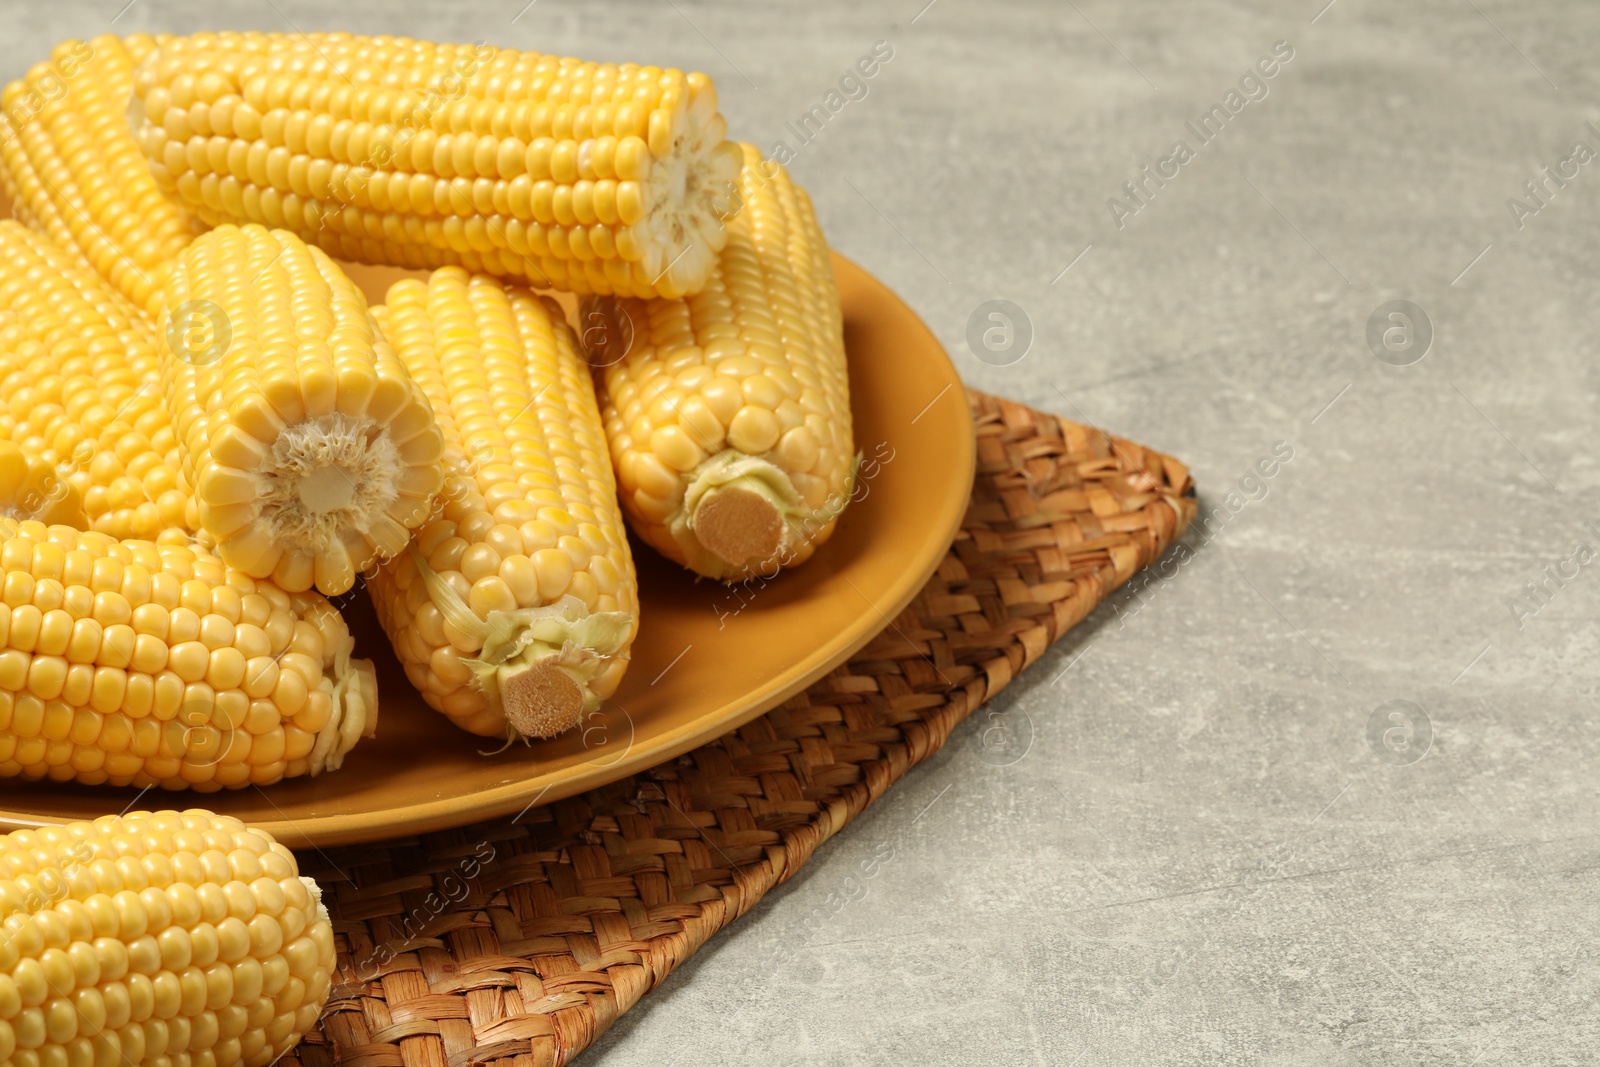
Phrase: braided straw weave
(523,941)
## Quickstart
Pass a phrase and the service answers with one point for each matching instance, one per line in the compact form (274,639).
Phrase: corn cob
(728,413)
(515,609)
(312,452)
(157,939)
(587,177)
(72,170)
(31,489)
(80,382)
(138,663)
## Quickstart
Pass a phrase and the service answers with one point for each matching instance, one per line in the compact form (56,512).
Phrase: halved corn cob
(80,382)
(31,489)
(157,938)
(72,170)
(514,611)
(311,450)
(728,413)
(588,177)
(154,664)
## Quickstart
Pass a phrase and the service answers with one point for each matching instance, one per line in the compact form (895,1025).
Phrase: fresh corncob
(514,611)
(311,450)
(587,177)
(154,664)
(157,939)
(72,170)
(80,389)
(728,413)
(31,489)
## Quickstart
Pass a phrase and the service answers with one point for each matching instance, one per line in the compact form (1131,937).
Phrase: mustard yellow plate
(708,657)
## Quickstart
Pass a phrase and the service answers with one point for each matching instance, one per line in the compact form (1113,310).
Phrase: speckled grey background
(1193,834)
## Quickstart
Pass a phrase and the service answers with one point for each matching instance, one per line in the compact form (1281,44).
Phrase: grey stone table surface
(1325,793)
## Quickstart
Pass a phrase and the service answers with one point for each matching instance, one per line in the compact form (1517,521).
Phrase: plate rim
(338,828)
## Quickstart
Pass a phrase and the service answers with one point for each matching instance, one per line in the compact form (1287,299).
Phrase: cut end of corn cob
(158,938)
(737,508)
(355,714)
(738,524)
(742,516)
(351,685)
(312,452)
(728,413)
(585,177)
(326,475)
(31,489)
(154,664)
(685,199)
(540,666)
(514,610)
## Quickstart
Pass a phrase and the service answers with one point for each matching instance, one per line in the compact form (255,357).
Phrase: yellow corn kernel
(71,168)
(514,611)
(80,379)
(31,489)
(311,451)
(728,413)
(587,177)
(74,671)
(156,937)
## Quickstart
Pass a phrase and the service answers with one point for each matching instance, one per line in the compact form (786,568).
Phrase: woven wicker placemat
(524,940)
